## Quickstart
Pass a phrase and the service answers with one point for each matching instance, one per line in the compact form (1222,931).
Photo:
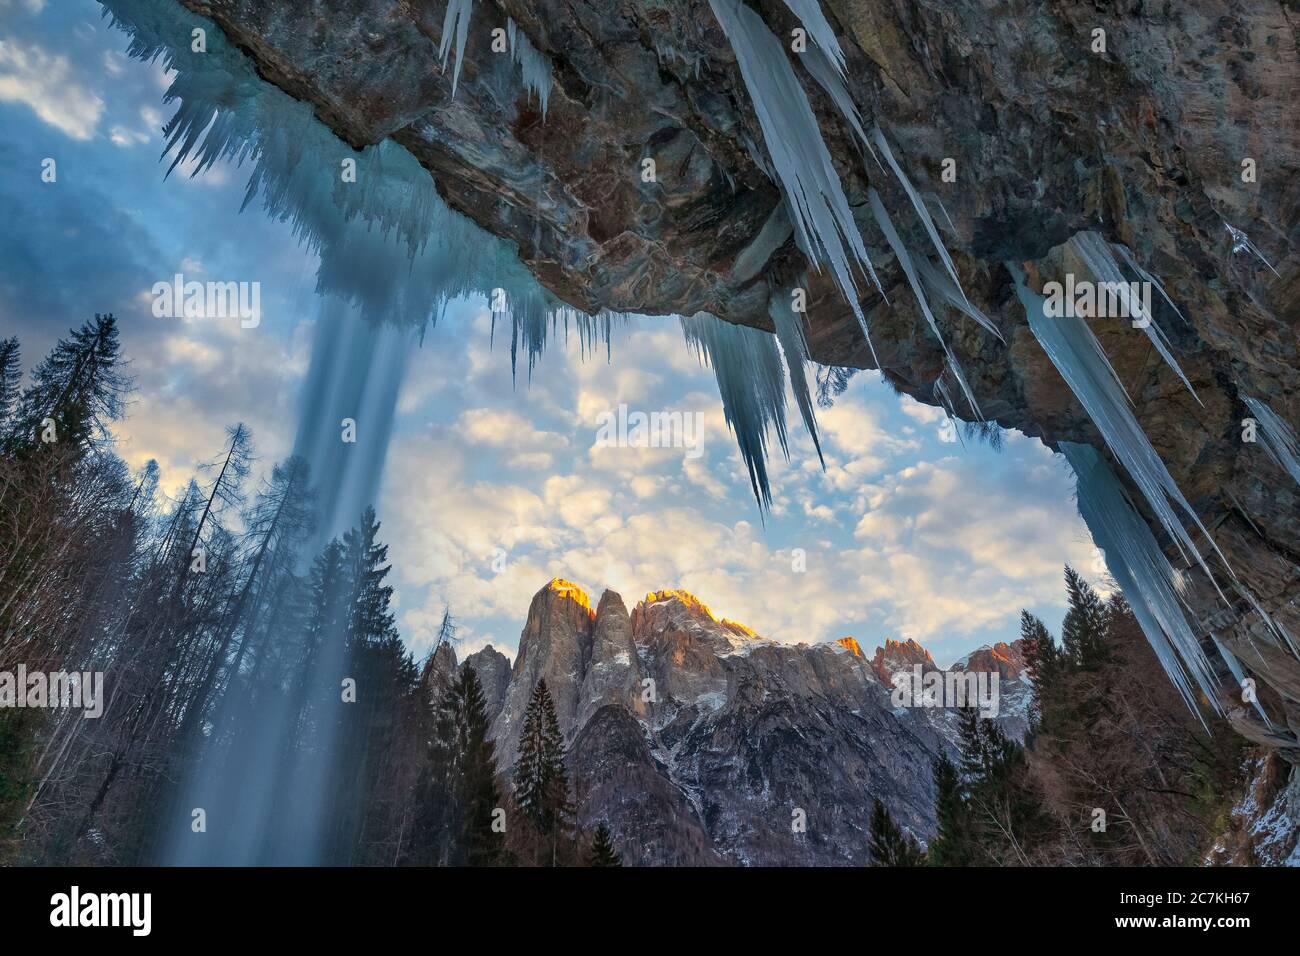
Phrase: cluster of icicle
(226,112)
(534,66)
(1153,587)
(798,161)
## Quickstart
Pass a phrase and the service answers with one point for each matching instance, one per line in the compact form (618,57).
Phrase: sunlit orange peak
(739,628)
(684,597)
(851,645)
(570,590)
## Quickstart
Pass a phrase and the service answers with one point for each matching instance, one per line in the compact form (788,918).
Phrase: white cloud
(902,535)
(45,82)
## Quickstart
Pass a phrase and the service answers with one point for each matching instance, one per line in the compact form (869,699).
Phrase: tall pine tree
(956,842)
(890,846)
(1083,633)
(541,782)
(1043,662)
(602,849)
(74,393)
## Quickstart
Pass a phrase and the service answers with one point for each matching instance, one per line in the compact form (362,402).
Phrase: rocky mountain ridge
(700,740)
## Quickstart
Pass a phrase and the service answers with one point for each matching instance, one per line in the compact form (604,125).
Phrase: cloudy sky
(494,486)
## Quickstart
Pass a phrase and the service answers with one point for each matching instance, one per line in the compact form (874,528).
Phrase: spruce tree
(890,846)
(602,849)
(77,387)
(541,782)
(1042,660)
(479,796)
(955,842)
(1002,806)
(1083,633)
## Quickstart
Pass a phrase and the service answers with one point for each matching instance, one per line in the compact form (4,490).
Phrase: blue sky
(905,535)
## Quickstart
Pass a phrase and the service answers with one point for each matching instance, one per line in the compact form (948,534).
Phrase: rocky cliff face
(1142,139)
(492,668)
(898,656)
(701,742)
(556,646)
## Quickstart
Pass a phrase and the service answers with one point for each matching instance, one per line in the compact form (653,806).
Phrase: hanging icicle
(905,263)
(819,28)
(535,66)
(944,398)
(1078,356)
(751,381)
(1279,440)
(1095,253)
(455,30)
(1131,261)
(919,205)
(1150,583)
(1241,243)
(823,221)
(939,285)
(794,346)
(227,113)
(1239,675)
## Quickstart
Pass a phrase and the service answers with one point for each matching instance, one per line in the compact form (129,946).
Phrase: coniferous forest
(205,613)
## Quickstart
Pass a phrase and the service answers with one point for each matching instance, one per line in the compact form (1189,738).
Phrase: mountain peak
(850,645)
(687,600)
(1007,659)
(899,655)
(565,588)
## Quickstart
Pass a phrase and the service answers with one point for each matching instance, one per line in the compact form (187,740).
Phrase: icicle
(794,345)
(819,28)
(1078,356)
(823,220)
(1241,243)
(905,262)
(1242,511)
(944,398)
(918,204)
(1279,440)
(1275,626)
(1234,666)
(1096,254)
(1135,561)
(822,70)
(455,23)
(941,286)
(943,209)
(226,112)
(1131,261)
(776,230)
(751,382)
(535,66)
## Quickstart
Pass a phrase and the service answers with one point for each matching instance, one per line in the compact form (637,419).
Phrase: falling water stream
(269,809)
